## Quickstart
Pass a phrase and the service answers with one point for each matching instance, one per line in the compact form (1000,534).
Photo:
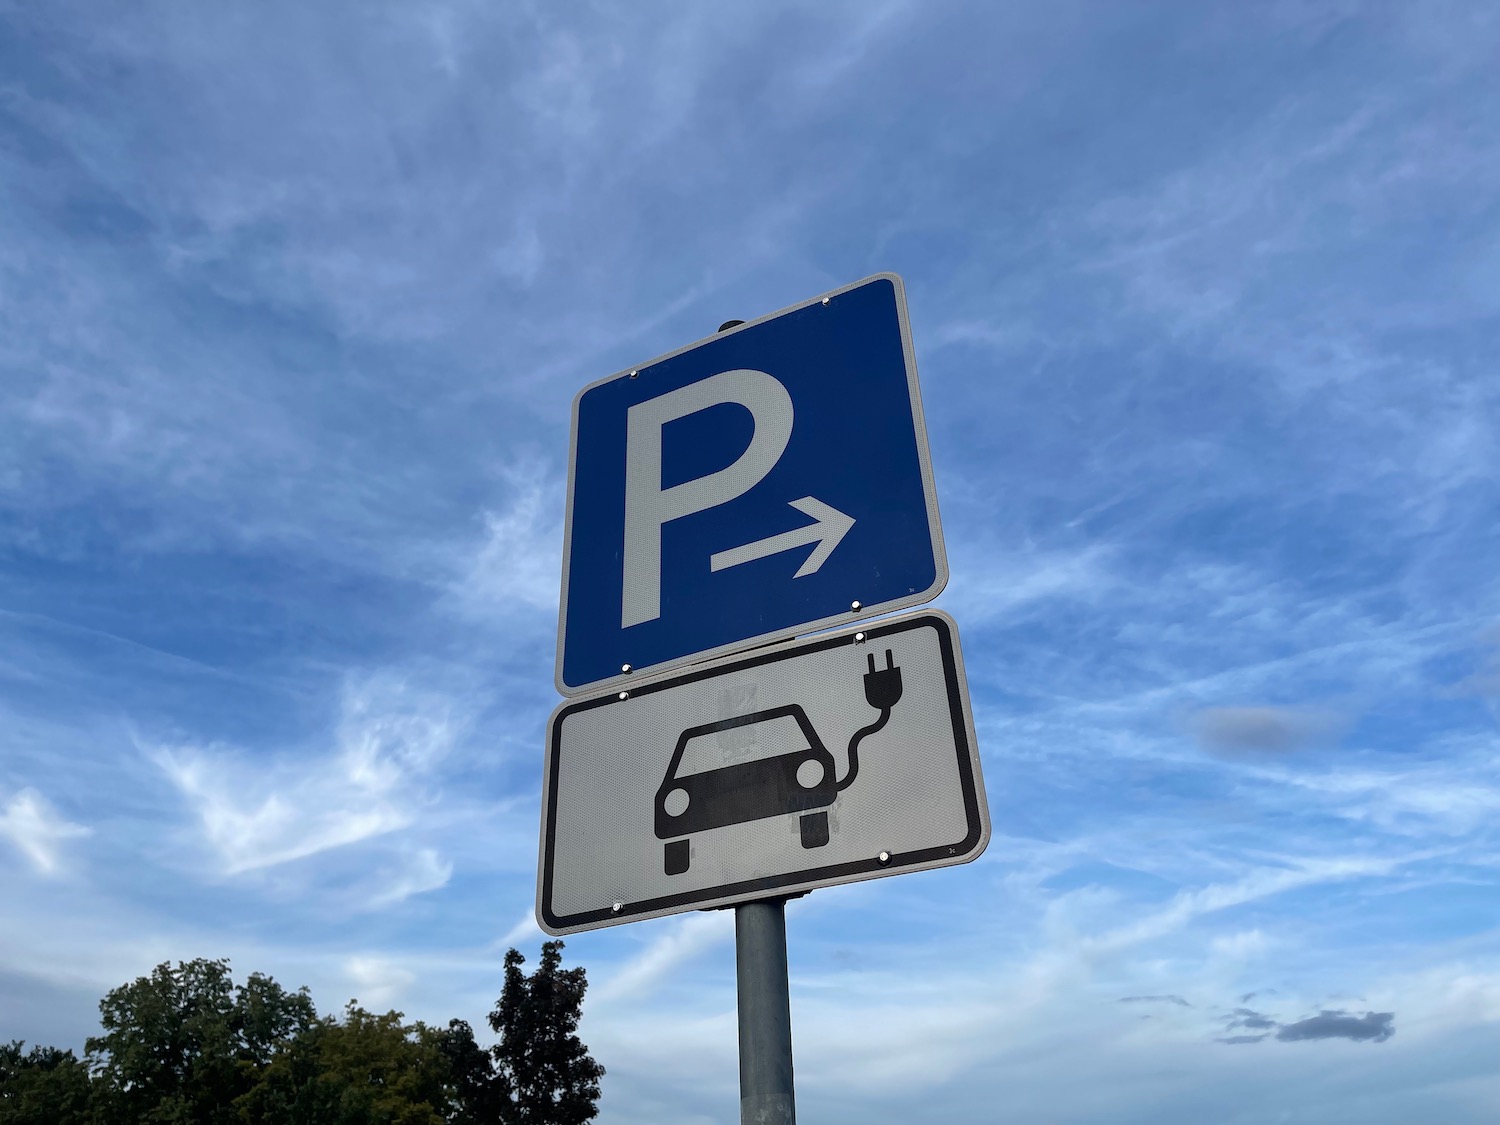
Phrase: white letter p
(648,505)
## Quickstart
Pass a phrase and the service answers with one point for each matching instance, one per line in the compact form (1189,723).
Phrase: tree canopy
(186,1045)
(43,1085)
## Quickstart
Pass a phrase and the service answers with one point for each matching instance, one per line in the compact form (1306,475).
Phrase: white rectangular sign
(846,756)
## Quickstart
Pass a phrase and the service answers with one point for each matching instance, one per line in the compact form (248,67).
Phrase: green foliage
(187,1046)
(168,1050)
(181,1045)
(268,1017)
(43,1087)
(368,1070)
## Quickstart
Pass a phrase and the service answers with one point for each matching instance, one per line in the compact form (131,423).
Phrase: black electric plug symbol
(883,685)
(882,691)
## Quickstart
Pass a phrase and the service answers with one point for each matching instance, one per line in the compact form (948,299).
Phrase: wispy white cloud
(1189,905)
(1213,251)
(418,871)
(518,561)
(525,930)
(254,820)
(1010,584)
(685,939)
(378,981)
(1447,798)
(38,831)
(256,814)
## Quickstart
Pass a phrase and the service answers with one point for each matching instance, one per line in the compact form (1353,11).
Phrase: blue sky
(294,300)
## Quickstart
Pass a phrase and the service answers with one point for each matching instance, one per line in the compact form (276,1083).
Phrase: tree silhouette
(476,1096)
(544,1072)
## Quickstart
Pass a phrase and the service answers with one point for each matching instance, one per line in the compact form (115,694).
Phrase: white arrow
(830,526)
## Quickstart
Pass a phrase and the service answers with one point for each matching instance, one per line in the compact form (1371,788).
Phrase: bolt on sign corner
(842,757)
(770,480)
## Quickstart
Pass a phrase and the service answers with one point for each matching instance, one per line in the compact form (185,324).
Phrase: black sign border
(790,882)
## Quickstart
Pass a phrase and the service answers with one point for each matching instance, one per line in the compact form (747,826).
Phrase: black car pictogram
(801,780)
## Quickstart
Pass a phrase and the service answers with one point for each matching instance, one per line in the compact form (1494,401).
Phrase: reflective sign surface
(844,757)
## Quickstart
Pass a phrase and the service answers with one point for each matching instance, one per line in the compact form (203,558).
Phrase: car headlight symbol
(810,774)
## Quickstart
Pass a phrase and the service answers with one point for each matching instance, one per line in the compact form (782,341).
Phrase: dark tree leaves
(368,1070)
(183,1044)
(44,1086)
(478,1094)
(170,1047)
(540,1062)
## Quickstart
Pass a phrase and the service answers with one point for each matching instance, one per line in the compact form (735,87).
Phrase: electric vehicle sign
(847,756)
(770,480)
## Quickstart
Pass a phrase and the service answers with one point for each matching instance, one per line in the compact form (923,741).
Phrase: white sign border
(976,806)
(929,488)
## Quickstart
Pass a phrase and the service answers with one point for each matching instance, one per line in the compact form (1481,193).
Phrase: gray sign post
(767,1096)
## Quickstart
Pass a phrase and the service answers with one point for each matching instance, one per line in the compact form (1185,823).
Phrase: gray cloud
(1376,1027)
(1234,731)
(1178,1000)
(1255,1021)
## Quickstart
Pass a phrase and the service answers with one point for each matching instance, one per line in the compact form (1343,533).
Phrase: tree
(180,1045)
(268,1017)
(543,1072)
(368,1070)
(475,1094)
(187,1046)
(43,1087)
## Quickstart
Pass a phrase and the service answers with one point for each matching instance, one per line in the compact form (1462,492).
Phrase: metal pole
(765,1003)
(766,1095)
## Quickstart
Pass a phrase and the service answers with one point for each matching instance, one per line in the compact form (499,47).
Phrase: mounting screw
(826,300)
(617,907)
(624,695)
(625,668)
(883,858)
(854,606)
(633,374)
(859,638)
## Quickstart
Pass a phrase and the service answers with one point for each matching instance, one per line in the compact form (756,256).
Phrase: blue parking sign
(765,482)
